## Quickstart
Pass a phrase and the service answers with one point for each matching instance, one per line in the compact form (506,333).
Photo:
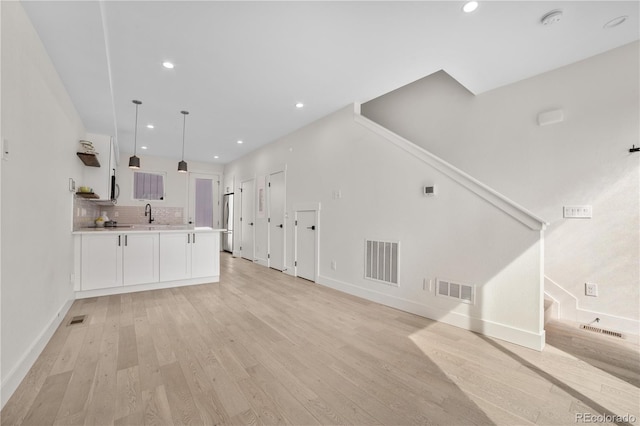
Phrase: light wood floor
(261,347)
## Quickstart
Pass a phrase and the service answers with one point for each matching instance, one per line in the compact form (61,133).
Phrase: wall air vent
(381,261)
(601,330)
(463,292)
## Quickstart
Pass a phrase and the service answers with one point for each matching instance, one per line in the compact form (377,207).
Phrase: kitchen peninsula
(127,259)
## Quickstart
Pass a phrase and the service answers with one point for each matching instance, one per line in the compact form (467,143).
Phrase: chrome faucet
(147,209)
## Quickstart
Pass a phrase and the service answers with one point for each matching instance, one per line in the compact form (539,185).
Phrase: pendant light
(134,161)
(182,165)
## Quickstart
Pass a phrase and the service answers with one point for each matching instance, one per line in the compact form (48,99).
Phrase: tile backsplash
(85,212)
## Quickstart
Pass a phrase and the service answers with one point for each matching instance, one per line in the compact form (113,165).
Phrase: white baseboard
(13,379)
(570,310)
(500,331)
(145,287)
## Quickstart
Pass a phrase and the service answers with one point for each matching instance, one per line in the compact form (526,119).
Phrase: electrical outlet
(591,289)
(116,214)
(334,265)
(577,212)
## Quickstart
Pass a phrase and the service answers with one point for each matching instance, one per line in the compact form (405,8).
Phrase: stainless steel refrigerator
(227,222)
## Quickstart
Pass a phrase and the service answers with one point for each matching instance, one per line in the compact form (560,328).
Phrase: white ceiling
(240,67)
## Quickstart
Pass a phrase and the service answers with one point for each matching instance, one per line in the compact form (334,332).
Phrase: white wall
(43,130)
(494,137)
(455,235)
(176,184)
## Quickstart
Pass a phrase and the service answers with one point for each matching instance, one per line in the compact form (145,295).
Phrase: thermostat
(429,191)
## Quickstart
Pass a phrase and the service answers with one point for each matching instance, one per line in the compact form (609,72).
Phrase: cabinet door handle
(119,240)
(188,238)
(125,240)
(194,238)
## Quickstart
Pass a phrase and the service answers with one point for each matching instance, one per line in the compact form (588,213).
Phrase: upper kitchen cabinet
(99,178)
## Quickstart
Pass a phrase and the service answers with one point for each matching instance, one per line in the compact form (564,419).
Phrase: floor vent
(381,261)
(463,292)
(601,330)
(77,320)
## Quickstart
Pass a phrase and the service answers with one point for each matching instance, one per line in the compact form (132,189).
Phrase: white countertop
(127,229)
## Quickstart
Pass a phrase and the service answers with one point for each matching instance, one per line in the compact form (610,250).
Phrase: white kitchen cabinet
(205,254)
(189,255)
(141,256)
(101,261)
(113,260)
(175,252)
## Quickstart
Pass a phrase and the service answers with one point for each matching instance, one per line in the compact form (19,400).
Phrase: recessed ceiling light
(143,147)
(168,64)
(615,22)
(216,157)
(240,142)
(150,126)
(299,105)
(470,6)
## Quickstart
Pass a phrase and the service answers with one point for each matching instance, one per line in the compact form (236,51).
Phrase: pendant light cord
(135,134)
(135,130)
(184,126)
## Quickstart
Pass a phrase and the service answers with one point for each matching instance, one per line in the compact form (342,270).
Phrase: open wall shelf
(90,160)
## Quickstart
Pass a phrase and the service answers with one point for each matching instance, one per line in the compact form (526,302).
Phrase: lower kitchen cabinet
(189,255)
(112,260)
(175,252)
(205,255)
(140,259)
(101,264)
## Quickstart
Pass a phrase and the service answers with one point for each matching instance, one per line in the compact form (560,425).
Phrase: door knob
(280,226)
(313,228)
(251,223)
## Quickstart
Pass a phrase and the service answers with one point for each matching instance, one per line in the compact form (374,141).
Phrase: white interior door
(306,243)
(247,218)
(261,224)
(204,200)
(276,220)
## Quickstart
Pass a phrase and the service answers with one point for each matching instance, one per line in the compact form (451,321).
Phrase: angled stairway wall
(582,160)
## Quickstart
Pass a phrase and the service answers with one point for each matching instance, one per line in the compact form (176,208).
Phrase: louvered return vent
(381,261)
(463,292)
(601,330)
